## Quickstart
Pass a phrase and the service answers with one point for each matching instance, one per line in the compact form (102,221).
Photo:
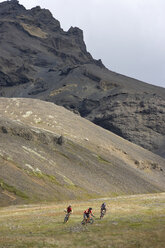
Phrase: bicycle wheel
(91,221)
(66,218)
(83,222)
(102,214)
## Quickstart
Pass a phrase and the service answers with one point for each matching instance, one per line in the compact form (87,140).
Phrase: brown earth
(50,153)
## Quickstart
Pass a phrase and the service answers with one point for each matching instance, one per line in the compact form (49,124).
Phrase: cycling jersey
(88,211)
(103,206)
(69,210)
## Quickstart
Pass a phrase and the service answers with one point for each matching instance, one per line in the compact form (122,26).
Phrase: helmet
(90,208)
(69,206)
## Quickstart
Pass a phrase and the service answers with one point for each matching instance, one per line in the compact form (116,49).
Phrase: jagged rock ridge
(40,60)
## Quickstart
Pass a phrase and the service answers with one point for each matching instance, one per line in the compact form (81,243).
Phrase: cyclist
(88,214)
(103,209)
(68,211)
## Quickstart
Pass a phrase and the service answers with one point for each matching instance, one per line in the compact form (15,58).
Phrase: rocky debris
(144,165)
(61,140)
(15,128)
(54,65)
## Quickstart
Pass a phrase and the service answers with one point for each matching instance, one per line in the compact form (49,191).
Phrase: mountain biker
(68,211)
(88,214)
(103,208)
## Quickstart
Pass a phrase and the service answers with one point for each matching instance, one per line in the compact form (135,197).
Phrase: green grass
(61,153)
(102,160)
(128,224)
(12,189)
(43,176)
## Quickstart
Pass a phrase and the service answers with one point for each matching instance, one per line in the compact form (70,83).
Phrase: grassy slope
(132,221)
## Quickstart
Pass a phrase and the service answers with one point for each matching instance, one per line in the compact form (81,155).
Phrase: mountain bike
(88,220)
(66,217)
(103,212)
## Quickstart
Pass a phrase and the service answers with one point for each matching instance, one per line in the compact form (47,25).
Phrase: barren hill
(40,60)
(50,153)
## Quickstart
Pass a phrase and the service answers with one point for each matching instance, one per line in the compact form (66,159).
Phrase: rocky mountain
(40,60)
(49,153)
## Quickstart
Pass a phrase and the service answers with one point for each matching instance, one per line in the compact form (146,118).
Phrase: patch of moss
(102,160)
(61,153)
(52,179)
(6,157)
(73,145)
(73,187)
(68,181)
(36,174)
(64,155)
(12,189)
(43,176)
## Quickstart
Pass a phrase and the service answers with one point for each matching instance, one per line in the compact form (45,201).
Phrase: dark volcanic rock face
(135,119)
(40,60)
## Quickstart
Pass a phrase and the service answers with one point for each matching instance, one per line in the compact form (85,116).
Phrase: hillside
(50,153)
(38,59)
